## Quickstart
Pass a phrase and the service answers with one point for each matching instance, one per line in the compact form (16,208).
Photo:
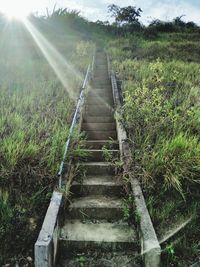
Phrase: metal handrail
(47,243)
(74,121)
(93,64)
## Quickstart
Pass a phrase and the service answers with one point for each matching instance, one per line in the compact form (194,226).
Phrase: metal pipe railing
(74,121)
(93,64)
(47,243)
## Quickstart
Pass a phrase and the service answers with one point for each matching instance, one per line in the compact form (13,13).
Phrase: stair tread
(99,124)
(90,119)
(103,180)
(102,141)
(99,135)
(98,167)
(127,258)
(99,163)
(75,230)
(101,131)
(99,144)
(96,201)
(100,150)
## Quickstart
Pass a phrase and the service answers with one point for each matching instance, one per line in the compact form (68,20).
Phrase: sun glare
(15,9)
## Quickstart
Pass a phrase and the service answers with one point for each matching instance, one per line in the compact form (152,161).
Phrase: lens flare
(15,9)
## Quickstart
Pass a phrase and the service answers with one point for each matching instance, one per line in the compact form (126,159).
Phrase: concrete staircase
(95,232)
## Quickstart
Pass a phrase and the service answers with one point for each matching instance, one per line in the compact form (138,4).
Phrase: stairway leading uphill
(94,232)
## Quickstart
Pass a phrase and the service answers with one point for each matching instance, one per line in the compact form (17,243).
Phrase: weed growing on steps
(109,156)
(78,142)
(128,208)
(78,155)
(170,251)
(81,260)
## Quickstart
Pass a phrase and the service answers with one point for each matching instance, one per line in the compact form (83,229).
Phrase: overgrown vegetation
(35,114)
(161,114)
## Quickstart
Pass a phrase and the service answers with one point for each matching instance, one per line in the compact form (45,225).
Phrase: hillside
(42,66)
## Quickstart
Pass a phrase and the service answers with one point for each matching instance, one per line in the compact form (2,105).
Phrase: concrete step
(100,168)
(97,185)
(101,75)
(101,71)
(101,92)
(92,126)
(96,207)
(77,236)
(98,144)
(101,135)
(96,155)
(98,110)
(127,258)
(104,89)
(101,78)
(91,100)
(101,65)
(100,84)
(98,119)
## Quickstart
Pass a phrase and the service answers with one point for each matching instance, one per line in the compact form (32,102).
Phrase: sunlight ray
(64,70)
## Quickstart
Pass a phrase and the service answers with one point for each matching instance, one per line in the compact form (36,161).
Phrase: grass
(35,115)
(167,47)
(161,114)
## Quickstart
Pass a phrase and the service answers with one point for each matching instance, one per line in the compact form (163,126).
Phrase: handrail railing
(47,242)
(93,64)
(74,121)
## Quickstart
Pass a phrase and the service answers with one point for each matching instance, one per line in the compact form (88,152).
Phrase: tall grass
(35,115)
(160,103)
(161,114)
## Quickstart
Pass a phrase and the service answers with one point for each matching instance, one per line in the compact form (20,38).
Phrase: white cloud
(168,11)
(153,9)
(97,9)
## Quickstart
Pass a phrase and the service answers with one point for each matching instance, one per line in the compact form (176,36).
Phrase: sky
(97,9)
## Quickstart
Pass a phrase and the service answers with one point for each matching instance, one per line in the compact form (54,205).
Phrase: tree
(125,15)
(179,22)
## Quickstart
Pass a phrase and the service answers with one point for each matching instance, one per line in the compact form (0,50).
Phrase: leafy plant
(81,260)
